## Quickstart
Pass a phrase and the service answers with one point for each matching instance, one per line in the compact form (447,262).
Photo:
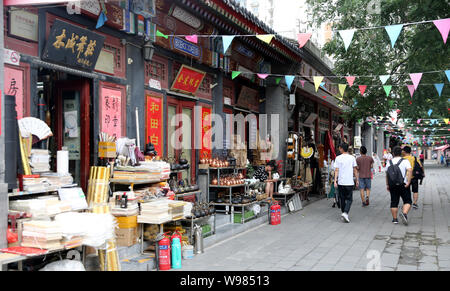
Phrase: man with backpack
(398,179)
(418,173)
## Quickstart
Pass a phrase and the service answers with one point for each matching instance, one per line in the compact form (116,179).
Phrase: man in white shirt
(345,167)
(400,190)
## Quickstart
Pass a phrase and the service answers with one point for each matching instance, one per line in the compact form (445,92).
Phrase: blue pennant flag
(289,80)
(439,88)
(101,20)
(227,40)
(430,111)
(447,72)
(393,32)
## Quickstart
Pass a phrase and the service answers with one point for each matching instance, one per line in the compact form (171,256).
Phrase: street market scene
(225,135)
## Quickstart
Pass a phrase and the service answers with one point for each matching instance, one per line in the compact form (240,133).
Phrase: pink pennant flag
(350,80)
(192,38)
(411,89)
(362,89)
(262,76)
(418,121)
(443,25)
(303,38)
(415,78)
(303,83)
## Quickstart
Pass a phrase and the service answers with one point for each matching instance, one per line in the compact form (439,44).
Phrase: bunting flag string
(393,31)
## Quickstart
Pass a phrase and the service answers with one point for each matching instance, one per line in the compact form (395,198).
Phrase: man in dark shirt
(365,164)
(264,174)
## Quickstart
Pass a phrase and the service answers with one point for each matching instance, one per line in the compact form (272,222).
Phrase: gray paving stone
(428,267)
(406,268)
(444,264)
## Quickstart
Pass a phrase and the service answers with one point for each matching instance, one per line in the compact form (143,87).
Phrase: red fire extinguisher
(275,214)
(164,253)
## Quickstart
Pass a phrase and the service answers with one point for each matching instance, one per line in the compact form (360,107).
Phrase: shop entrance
(181,113)
(67,99)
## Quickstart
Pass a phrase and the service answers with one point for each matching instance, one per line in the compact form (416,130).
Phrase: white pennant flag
(347,36)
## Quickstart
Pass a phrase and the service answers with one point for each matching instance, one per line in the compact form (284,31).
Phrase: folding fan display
(34,126)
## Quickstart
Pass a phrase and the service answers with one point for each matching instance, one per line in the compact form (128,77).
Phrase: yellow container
(106,149)
(127,221)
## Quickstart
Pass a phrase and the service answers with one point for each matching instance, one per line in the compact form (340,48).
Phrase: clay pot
(214,181)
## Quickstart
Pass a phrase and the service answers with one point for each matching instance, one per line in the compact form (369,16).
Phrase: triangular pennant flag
(303,83)
(418,121)
(267,38)
(159,33)
(317,81)
(262,76)
(446,120)
(415,78)
(347,36)
(227,40)
(447,73)
(277,80)
(430,111)
(384,78)
(342,89)
(234,74)
(101,20)
(410,89)
(350,80)
(439,88)
(387,89)
(443,25)
(391,103)
(393,31)
(303,38)
(362,89)
(192,38)
(289,80)
(322,84)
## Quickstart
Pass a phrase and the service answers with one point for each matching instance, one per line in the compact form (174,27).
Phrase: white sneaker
(345,217)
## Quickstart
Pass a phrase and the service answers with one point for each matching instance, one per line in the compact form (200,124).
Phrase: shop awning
(442,148)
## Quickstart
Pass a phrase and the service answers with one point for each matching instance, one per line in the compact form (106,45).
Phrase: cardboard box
(126,237)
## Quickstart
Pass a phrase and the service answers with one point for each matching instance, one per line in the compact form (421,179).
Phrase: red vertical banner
(154,123)
(205,152)
(111,111)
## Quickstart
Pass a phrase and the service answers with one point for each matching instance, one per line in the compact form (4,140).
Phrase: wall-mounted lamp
(148,51)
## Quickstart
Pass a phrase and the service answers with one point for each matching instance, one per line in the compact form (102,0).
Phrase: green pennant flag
(234,74)
(159,33)
(387,89)
(277,80)
(391,102)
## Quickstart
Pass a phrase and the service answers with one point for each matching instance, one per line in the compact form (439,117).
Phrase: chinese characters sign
(73,46)
(154,126)
(111,112)
(14,86)
(188,80)
(205,152)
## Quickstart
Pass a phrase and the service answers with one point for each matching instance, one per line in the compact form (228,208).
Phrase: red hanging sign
(111,112)
(205,152)
(154,123)
(188,80)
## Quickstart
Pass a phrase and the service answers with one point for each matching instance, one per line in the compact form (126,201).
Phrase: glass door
(73,126)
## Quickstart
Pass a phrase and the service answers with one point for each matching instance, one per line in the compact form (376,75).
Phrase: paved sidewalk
(316,239)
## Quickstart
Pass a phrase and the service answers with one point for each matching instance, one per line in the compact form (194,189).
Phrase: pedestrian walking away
(365,164)
(345,169)
(418,173)
(398,179)
(422,158)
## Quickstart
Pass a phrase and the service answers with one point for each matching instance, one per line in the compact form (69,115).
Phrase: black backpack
(417,170)
(394,174)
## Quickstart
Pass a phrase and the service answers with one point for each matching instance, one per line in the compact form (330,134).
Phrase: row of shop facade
(130,75)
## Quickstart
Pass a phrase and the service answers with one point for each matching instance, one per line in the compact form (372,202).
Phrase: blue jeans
(365,183)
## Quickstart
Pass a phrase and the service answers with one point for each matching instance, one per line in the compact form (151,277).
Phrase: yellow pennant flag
(446,120)
(342,89)
(267,38)
(317,81)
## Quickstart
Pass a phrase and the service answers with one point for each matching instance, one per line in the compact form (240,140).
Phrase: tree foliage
(419,48)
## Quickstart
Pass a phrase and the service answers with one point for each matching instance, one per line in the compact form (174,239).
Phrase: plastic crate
(247,215)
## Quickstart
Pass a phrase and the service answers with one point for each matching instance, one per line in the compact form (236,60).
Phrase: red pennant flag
(303,38)
(362,89)
(350,80)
